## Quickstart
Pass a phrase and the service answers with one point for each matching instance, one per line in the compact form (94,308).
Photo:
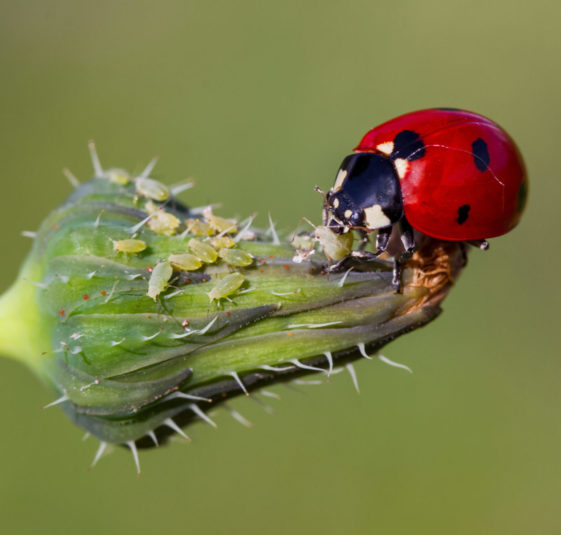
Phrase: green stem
(23,336)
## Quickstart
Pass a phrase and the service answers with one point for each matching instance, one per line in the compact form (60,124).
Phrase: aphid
(185,262)
(335,246)
(129,246)
(302,241)
(203,251)
(118,176)
(235,257)
(161,274)
(199,228)
(246,235)
(304,245)
(152,189)
(222,242)
(151,207)
(219,224)
(226,286)
(163,222)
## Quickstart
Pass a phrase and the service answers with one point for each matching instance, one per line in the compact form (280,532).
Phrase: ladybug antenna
(325,203)
(322,193)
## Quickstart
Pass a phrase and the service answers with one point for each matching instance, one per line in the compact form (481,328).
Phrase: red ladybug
(448,173)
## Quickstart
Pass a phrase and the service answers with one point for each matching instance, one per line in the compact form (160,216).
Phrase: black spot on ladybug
(480,154)
(448,109)
(463,214)
(407,145)
(522,194)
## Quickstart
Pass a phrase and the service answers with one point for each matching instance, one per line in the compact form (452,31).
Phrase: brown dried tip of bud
(436,265)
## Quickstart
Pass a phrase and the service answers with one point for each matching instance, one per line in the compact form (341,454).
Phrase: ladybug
(447,173)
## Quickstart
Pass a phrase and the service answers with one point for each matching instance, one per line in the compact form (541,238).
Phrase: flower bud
(140,328)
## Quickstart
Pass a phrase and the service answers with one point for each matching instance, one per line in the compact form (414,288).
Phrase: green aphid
(235,257)
(198,227)
(163,223)
(219,224)
(118,176)
(226,286)
(203,251)
(302,241)
(185,262)
(152,189)
(129,246)
(222,242)
(161,274)
(335,246)
(151,207)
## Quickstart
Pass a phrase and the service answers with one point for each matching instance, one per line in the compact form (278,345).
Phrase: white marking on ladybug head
(336,203)
(401,166)
(385,148)
(348,214)
(341,175)
(375,217)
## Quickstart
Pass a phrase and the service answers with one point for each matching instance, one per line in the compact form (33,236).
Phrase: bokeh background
(259,101)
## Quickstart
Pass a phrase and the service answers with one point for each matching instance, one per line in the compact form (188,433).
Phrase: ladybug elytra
(447,173)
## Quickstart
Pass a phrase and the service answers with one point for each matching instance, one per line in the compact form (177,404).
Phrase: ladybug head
(343,213)
(366,193)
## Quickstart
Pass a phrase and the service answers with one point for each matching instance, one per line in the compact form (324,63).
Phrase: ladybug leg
(397,273)
(364,239)
(356,258)
(360,256)
(334,226)
(324,215)
(408,241)
(382,239)
(480,244)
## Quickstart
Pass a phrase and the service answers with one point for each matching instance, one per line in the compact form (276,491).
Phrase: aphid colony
(213,240)
(208,239)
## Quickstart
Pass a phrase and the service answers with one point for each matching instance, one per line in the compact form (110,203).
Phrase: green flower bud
(140,328)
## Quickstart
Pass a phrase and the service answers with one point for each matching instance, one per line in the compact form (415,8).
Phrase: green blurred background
(259,101)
